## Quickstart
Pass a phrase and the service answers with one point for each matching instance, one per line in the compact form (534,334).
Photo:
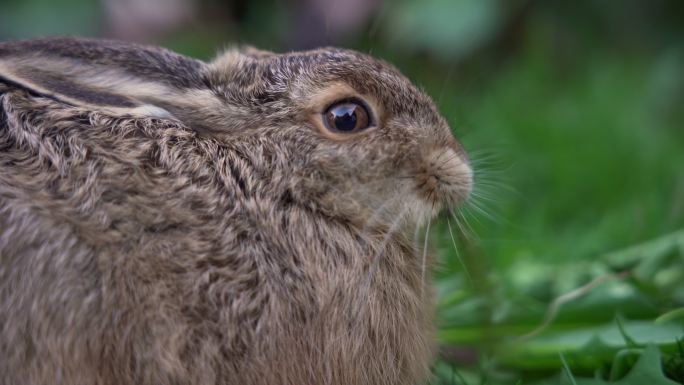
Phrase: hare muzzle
(444,178)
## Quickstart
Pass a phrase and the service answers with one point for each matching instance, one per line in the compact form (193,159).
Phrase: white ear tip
(151,111)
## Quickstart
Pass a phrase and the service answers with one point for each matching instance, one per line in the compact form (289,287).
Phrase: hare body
(167,221)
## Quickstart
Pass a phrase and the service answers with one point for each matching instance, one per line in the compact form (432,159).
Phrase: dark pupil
(345,117)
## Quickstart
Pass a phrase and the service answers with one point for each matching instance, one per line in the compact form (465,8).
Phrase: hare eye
(348,116)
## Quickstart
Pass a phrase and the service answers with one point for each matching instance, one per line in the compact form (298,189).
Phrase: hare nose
(445,176)
(453,168)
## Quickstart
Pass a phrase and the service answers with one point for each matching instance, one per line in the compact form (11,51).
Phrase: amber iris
(347,117)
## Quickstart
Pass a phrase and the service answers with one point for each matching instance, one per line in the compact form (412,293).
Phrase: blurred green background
(572,248)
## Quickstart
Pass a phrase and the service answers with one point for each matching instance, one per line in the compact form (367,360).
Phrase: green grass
(583,190)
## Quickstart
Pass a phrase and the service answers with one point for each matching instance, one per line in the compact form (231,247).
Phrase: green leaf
(621,327)
(647,371)
(587,346)
(648,256)
(566,368)
(623,361)
(676,314)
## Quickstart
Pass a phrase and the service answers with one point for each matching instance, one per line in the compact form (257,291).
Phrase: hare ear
(116,77)
(238,66)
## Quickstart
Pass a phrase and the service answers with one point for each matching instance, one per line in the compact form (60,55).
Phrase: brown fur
(210,233)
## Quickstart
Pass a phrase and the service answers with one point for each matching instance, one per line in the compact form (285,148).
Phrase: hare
(245,221)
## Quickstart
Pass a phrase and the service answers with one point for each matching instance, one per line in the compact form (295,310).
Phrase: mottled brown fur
(210,233)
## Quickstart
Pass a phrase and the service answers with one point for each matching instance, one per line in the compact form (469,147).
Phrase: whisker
(486,155)
(476,216)
(484,165)
(477,208)
(485,189)
(424,261)
(463,225)
(458,255)
(483,197)
(446,83)
(375,262)
(458,223)
(480,183)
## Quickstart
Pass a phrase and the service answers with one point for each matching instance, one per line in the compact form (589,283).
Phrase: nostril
(445,176)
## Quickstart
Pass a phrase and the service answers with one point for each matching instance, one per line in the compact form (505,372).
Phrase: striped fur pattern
(169,221)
